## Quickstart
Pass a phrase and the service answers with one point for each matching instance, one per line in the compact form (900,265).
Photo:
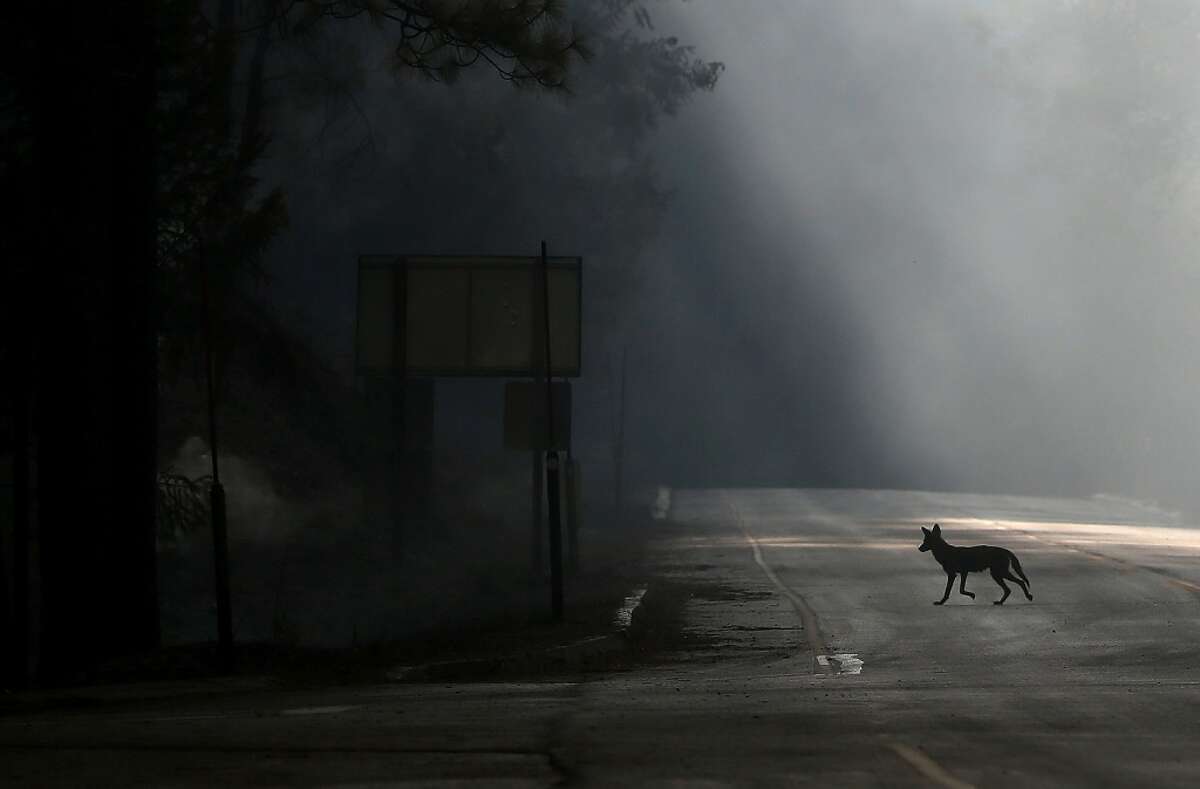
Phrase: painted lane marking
(927,766)
(808,617)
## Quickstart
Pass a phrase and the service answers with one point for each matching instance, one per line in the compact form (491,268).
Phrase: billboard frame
(401,265)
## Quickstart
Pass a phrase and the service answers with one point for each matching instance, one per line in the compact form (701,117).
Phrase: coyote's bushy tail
(1017,566)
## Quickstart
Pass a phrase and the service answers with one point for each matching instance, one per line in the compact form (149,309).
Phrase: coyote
(956,560)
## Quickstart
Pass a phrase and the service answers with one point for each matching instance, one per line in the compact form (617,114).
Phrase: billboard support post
(429,316)
(217,513)
(399,422)
(539,364)
(619,449)
(571,474)
(553,507)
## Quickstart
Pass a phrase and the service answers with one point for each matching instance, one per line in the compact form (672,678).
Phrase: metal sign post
(572,484)
(552,479)
(220,533)
(538,438)
(556,553)
(429,316)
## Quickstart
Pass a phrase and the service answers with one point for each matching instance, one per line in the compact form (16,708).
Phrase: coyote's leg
(1008,574)
(998,578)
(962,586)
(949,586)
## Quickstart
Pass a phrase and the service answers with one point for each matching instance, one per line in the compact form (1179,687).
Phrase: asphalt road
(808,654)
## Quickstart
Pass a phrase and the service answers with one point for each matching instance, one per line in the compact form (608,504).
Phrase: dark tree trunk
(17,628)
(18,251)
(134,324)
(68,496)
(95,365)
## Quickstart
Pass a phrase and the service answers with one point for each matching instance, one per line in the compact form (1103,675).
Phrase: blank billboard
(465,316)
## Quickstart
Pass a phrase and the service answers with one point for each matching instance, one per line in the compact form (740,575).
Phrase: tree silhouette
(130,170)
(525,42)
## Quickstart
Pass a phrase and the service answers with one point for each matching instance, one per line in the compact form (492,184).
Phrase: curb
(574,656)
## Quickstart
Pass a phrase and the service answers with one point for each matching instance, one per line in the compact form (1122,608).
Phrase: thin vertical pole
(572,477)
(537,561)
(549,370)
(619,452)
(220,532)
(536,349)
(22,487)
(553,504)
(401,490)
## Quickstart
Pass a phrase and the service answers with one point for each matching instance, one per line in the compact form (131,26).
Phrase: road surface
(808,654)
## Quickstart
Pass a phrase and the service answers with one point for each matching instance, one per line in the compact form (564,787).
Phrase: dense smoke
(939,245)
(944,246)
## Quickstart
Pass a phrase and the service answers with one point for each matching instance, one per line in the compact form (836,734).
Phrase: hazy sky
(937,243)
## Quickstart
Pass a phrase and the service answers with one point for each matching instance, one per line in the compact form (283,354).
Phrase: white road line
(808,617)
(927,767)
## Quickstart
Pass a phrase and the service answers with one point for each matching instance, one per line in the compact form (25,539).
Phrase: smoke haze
(940,246)
(944,245)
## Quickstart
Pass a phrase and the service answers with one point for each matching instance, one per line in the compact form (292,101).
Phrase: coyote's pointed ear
(925,530)
(937,529)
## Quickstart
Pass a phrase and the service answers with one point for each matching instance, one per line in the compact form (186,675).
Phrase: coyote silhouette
(958,560)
